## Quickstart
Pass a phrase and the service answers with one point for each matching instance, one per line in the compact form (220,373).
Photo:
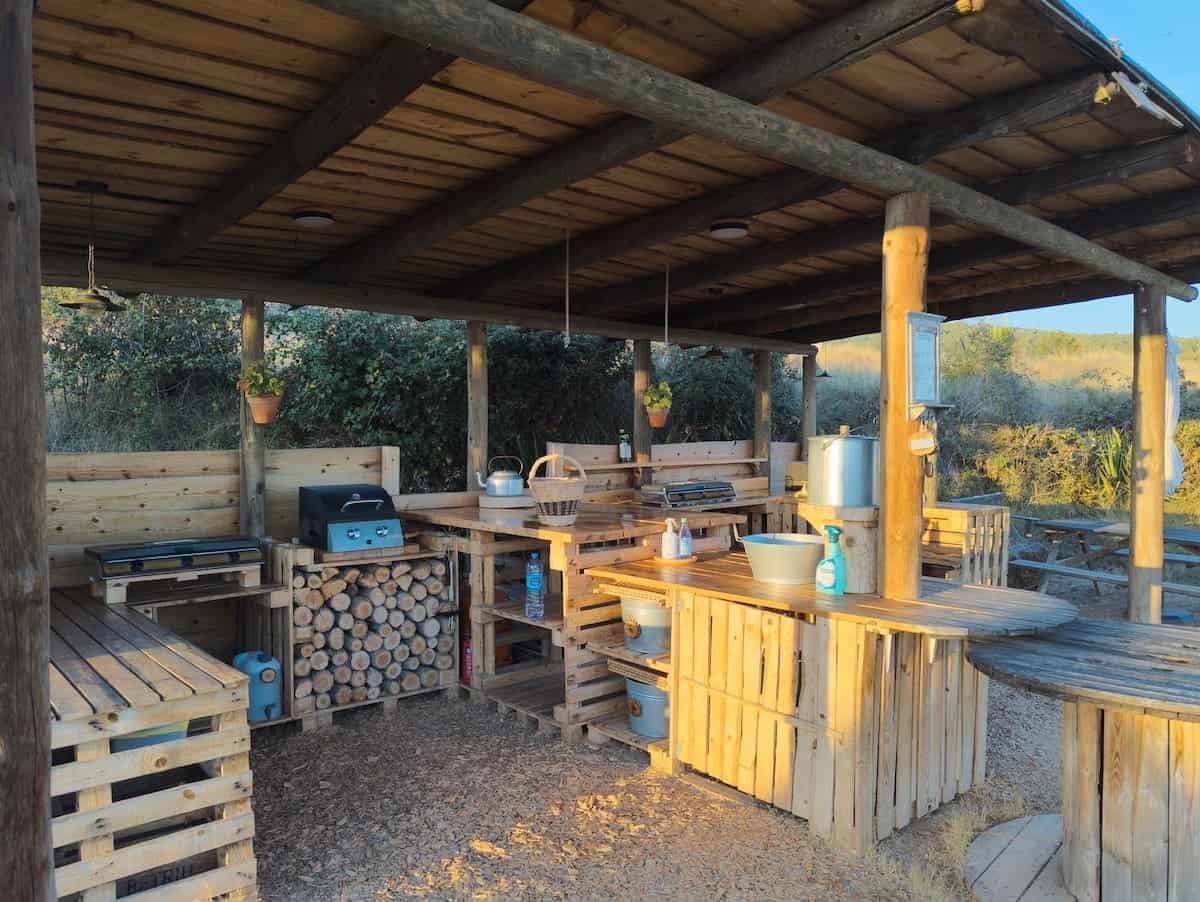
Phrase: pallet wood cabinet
(857,713)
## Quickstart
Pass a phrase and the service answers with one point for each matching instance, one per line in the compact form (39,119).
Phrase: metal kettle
(503,483)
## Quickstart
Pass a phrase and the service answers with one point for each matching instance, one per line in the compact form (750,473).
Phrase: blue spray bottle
(831,572)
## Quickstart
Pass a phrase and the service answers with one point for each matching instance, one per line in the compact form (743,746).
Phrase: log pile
(377,630)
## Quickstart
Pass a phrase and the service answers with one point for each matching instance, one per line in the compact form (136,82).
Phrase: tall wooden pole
(641,425)
(762,409)
(905,258)
(808,423)
(477,402)
(253,516)
(25,853)
(1149,455)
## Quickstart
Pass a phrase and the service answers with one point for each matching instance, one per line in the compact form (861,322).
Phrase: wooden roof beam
(383,81)
(186,281)
(1092,289)
(831,297)
(817,51)
(480,31)
(993,117)
(643,293)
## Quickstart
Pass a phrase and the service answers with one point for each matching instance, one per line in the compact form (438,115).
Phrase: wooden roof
(214,121)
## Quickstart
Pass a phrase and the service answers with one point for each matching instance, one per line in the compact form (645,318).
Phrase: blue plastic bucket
(648,709)
(168,732)
(647,624)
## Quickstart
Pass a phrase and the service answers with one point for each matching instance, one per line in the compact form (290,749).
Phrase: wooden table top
(592,525)
(1111,663)
(946,609)
(106,658)
(1182,535)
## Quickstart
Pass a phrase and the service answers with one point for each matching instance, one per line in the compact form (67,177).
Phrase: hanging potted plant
(657,401)
(263,388)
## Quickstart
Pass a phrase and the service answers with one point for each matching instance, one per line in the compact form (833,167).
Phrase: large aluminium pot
(843,470)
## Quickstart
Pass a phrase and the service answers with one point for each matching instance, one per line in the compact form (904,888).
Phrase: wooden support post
(25,854)
(762,409)
(253,516)
(1149,443)
(808,423)
(477,402)
(641,425)
(905,258)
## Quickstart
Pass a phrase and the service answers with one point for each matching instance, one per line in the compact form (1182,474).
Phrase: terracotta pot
(263,408)
(657,416)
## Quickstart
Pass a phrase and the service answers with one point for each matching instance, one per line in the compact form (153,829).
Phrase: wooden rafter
(1107,167)
(1057,295)
(518,44)
(993,117)
(831,297)
(812,53)
(383,81)
(63,269)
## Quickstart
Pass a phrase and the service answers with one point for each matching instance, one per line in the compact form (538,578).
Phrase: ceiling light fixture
(728,229)
(313,219)
(93,300)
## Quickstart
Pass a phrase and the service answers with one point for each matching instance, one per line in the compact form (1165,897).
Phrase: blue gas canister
(263,671)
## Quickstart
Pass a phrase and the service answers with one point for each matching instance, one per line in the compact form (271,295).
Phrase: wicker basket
(557,497)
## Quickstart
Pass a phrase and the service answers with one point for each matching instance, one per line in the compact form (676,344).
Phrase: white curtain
(1173,473)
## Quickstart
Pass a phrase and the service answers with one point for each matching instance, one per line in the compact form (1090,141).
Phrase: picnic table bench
(1114,542)
(1131,765)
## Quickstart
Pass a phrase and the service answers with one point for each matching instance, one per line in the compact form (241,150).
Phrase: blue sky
(1161,36)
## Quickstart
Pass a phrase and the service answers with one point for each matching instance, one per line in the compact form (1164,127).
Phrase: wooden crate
(978,532)
(172,819)
(856,731)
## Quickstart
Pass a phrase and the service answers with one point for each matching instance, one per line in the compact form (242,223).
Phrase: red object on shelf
(465,675)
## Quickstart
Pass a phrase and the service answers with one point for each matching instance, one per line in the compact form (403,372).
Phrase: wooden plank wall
(708,457)
(99,498)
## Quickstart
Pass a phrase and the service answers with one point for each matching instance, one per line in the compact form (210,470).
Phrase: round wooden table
(1131,750)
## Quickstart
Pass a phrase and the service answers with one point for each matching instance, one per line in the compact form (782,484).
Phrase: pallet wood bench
(1131,753)
(1110,577)
(165,821)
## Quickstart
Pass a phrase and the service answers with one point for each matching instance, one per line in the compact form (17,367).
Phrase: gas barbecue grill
(689,494)
(349,518)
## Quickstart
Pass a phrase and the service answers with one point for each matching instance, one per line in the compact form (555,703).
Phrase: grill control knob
(353,533)
(382,531)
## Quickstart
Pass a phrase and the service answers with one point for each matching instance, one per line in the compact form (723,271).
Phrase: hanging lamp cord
(91,258)
(667,307)
(567,294)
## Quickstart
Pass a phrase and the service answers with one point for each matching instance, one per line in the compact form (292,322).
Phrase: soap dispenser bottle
(670,541)
(831,572)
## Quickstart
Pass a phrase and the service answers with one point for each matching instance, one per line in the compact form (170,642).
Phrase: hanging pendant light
(667,309)
(92,301)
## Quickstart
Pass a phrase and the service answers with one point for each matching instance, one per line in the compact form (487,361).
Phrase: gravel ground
(450,801)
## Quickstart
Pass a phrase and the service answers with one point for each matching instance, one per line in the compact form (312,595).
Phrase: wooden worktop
(108,658)
(592,525)
(946,609)
(1110,663)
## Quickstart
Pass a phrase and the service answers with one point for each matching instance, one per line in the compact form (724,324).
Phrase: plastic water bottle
(685,540)
(535,581)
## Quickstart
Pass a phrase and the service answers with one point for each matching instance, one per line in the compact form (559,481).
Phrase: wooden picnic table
(1131,754)
(1114,540)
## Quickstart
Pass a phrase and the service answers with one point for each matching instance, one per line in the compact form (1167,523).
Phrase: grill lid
(360,501)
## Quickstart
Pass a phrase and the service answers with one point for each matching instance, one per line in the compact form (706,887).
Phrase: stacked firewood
(377,630)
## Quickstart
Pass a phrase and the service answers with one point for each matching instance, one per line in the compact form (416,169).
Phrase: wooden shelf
(534,698)
(211,592)
(516,611)
(616,726)
(668,464)
(617,651)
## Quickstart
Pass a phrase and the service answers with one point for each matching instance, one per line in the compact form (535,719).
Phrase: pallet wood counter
(166,821)
(858,713)
(1131,751)
(570,684)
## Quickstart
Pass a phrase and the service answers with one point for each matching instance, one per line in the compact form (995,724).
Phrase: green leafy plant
(1114,464)
(260,380)
(657,397)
